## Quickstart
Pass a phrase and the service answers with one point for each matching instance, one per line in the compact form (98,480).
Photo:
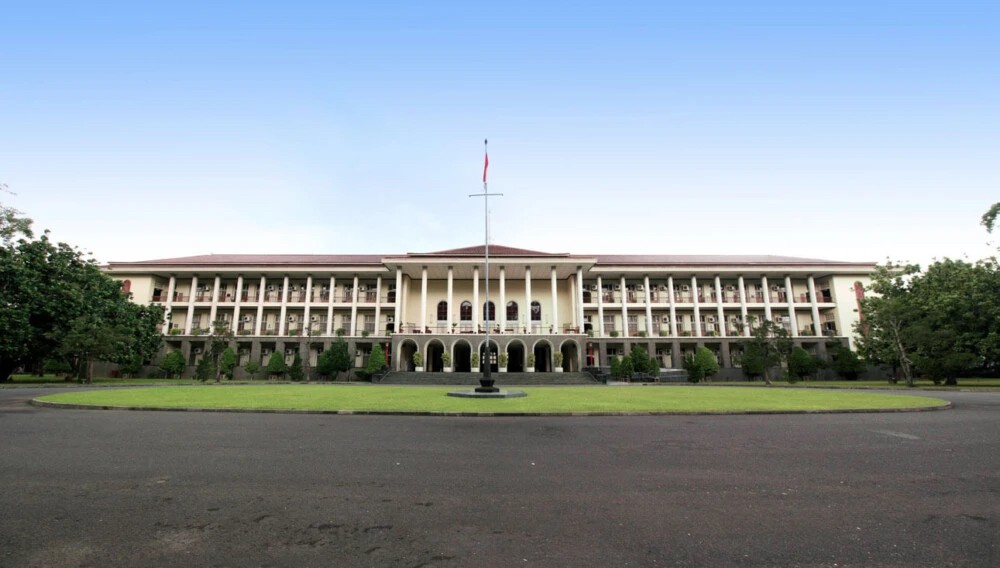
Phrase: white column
(624,297)
(815,306)
(169,304)
(329,305)
(214,310)
(502,307)
(237,301)
(404,310)
(451,300)
(354,308)
(743,306)
(190,314)
(555,301)
(673,306)
(307,312)
(767,298)
(791,306)
(259,324)
(600,308)
(527,296)
(398,314)
(720,313)
(476,308)
(696,323)
(649,306)
(284,306)
(423,299)
(379,329)
(579,320)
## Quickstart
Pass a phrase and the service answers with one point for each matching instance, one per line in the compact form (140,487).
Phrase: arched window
(493,312)
(536,311)
(442,311)
(465,311)
(511,311)
(127,286)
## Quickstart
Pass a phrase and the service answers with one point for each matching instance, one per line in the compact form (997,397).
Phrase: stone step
(502,379)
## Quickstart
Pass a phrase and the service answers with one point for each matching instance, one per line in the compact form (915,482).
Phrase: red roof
(479,250)
(262,259)
(654,259)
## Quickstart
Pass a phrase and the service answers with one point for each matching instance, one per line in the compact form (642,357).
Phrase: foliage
(56,367)
(531,360)
(772,343)
(205,369)
(222,335)
(376,360)
(334,361)
(557,358)
(295,372)
(503,358)
(252,368)
(418,359)
(173,364)
(701,365)
(446,359)
(844,361)
(754,360)
(801,364)
(11,222)
(130,368)
(227,363)
(276,365)
(990,217)
(475,361)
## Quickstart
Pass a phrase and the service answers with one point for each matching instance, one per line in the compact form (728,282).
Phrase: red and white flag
(486,164)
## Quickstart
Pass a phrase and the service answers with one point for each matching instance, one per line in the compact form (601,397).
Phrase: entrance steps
(503,380)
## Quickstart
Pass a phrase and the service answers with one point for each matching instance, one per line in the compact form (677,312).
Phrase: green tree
(205,369)
(642,362)
(376,360)
(701,365)
(754,362)
(173,364)
(341,357)
(773,343)
(801,364)
(844,361)
(227,363)
(276,365)
(295,371)
(252,368)
(131,368)
(222,336)
(990,217)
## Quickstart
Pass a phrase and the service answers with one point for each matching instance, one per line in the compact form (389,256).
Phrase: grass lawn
(597,399)
(963,384)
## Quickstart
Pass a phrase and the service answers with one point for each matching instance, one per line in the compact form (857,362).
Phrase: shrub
(801,364)
(531,360)
(503,358)
(205,369)
(252,368)
(557,358)
(701,364)
(227,363)
(475,361)
(845,362)
(376,361)
(173,364)
(418,359)
(446,359)
(295,371)
(276,365)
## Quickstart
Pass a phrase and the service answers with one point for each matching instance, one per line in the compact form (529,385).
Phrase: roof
(652,259)
(262,259)
(479,250)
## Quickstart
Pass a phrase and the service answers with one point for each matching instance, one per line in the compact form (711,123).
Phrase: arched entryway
(515,357)
(462,357)
(434,362)
(543,357)
(492,357)
(405,360)
(571,356)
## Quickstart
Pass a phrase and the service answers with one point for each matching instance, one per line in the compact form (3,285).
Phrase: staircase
(503,380)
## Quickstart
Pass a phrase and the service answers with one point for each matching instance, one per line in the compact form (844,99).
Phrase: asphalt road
(116,488)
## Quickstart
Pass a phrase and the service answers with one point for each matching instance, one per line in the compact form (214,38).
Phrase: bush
(276,365)
(252,368)
(754,361)
(56,367)
(131,367)
(295,371)
(173,364)
(801,365)
(376,361)
(205,369)
(227,363)
(845,362)
(701,364)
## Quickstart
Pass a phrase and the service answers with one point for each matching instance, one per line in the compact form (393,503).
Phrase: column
(527,297)
(258,325)
(743,306)
(190,314)
(476,307)
(696,323)
(579,320)
(237,302)
(284,307)
(555,301)
(406,294)
(170,304)
(600,307)
(306,317)
(378,306)
(791,306)
(214,310)
(720,313)
(673,309)
(397,315)
(502,306)
(649,307)
(354,309)
(329,305)
(815,306)
(623,299)
(767,298)
(451,300)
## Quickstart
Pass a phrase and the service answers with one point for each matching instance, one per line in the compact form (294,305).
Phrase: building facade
(586,307)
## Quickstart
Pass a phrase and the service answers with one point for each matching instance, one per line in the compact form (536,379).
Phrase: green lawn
(597,399)
(970,384)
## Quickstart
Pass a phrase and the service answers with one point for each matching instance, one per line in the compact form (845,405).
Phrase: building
(586,307)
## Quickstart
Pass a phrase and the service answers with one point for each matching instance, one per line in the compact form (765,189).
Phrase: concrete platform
(499,394)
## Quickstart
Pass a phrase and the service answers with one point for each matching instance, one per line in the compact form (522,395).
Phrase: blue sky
(841,130)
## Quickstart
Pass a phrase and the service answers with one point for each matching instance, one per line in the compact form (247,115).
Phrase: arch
(405,360)
(536,311)
(461,356)
(465,311)
(492,311)
(570,350)
(494,350)
(434,361)
(127,286)
(442,311)
(512,314)
(516,356)
(542,351)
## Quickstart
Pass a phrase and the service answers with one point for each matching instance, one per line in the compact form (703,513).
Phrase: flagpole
(486,383)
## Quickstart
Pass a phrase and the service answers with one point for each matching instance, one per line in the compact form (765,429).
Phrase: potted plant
(557,359)
(364,333)
(454,326)
(475,362)
(664,333)
(531,363)
(614,333)
(502,360)
(446,361)
(642,334)
(418,362)
(340,332)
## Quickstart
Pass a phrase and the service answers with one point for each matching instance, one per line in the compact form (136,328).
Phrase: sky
(855,131)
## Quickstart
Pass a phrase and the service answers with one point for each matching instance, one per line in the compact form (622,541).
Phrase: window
(465,311)
(442,311)
(609,324)
(633,325)
(536,311)
(511,311)
(493,312)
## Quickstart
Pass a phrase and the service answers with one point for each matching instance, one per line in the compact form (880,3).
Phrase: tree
(205,369)
(227,363)
(173,364)
(844,361)
(887,316)
(130,368)
(276,365)
(753,362)
(340,357)
(990,217)
(801,364)
(295,371)
(252,368)
(11,222)
(376,360)
(701,365)
(642,362)
(222,335)
(774,345)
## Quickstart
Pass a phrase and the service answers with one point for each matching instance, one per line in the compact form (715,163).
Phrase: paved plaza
(116,488)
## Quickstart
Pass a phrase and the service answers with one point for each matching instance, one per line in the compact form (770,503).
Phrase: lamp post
(486,383)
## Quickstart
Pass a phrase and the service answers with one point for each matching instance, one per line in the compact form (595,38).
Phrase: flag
(486,164)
